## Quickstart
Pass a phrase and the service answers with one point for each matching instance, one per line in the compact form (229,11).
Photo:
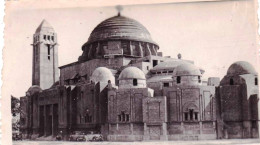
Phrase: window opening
(191,114)
(88,118)
(52,38)
(49,51)
(135,82)
(119,118)
(256,81)
(123,117)
(44,37)
(186,116)
(178,79)
(231,81)
(196,115)
(166,84)
(155,62)
(199,79)
(48,37)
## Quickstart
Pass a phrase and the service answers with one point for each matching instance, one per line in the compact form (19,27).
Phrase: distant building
(123,88)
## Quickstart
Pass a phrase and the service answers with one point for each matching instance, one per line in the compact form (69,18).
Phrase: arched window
(123,117)
(256,81)
(178,79)
(231,82)
(135,82)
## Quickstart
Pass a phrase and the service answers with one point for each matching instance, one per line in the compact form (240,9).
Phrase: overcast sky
(212,34)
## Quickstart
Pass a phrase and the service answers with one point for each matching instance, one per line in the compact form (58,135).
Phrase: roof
(132,73)
(171,65)
(162,78)
(186,69)
(44,26)
(240,68)
(168,65)
(103,74)
(120,28)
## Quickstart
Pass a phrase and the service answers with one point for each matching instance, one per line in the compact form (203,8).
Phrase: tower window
(52,38)
(178,79)
(49,52)
(44,37)
(199,79)
(231,82)
(147,67)
(135,82)
(48,37)
(256,81)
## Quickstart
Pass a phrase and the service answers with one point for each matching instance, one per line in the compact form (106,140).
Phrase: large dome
(240,68)
(120,28)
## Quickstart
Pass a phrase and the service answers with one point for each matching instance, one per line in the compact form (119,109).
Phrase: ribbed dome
(240,68)
(118,28)
(132,73)
(186,69)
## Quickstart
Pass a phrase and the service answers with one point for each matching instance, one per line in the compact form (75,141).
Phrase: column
(132,128)
(164,130)
(200,127)
(130,48)
(148,51)
(45,120)
(154,49)
(141,50)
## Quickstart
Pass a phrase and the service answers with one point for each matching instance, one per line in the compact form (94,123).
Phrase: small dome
(132,73)
(103,74)
(57,83)
(240,68)
(186,69)
(34,89)
(120,28)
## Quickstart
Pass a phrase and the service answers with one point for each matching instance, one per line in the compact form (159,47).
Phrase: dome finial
(119,9)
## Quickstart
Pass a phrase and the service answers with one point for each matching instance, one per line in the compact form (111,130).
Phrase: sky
(212,34)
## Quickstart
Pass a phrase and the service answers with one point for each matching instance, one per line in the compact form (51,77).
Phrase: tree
(15,110)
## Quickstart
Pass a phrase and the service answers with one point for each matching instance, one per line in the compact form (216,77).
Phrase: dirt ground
(203,142)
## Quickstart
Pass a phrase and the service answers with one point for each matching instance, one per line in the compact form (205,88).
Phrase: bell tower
(45,56)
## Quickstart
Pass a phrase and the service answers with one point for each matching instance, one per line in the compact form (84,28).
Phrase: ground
(203,142)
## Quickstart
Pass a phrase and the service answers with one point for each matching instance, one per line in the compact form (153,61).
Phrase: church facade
(125,89)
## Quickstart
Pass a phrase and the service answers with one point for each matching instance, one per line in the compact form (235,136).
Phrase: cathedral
(125,89)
